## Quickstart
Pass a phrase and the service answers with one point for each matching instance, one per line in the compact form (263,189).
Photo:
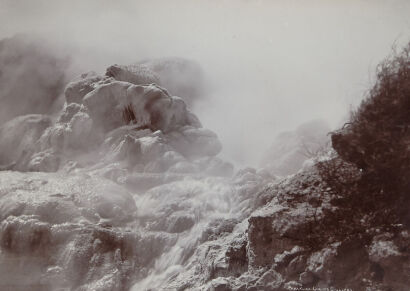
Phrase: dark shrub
(377,138)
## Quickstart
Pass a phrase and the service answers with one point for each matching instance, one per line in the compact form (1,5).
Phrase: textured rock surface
(78,88)
(135,74)
(114,145)
(150,106)
(137,199)
(181,77)
(67,229)
(104,119)
(269,250)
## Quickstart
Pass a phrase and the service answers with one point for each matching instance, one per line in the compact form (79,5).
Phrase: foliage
(369,177)
(377,138)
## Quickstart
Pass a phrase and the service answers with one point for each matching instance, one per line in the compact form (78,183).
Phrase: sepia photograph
(204,145)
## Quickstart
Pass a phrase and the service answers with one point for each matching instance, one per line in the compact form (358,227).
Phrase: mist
(184,145)
(270,65)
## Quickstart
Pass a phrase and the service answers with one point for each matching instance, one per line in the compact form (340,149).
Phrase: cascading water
(140,176)
(207,201)
(202,200)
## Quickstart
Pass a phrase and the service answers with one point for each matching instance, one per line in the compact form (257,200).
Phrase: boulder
(195,142)
(82,85)
(135,74)
(119,103)
(391,255)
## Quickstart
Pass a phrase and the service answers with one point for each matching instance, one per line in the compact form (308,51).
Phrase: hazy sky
(273,64)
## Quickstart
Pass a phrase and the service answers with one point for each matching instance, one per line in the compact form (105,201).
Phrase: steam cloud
(32,77)
(140,188)
(271,65)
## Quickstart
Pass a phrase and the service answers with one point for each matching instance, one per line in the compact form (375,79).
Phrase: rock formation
(130,171)
(124,190)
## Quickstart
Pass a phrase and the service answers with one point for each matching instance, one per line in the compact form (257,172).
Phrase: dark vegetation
(369,178)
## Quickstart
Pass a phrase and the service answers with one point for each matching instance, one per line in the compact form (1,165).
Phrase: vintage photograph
(210,145)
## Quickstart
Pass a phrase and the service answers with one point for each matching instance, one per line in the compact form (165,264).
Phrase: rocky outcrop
(389,255)
(142,126)
(68,229)
(137,199)
(135,74)
(82,85)
(344,144)
(181,77)
(273,248)
(113,146)
(118,103)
